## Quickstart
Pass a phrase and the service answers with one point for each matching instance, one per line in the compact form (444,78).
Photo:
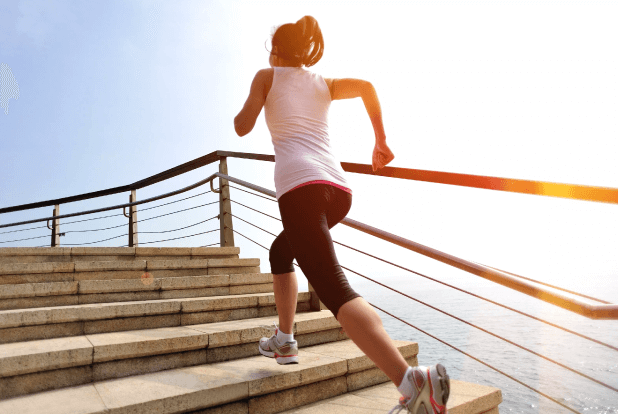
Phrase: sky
(111,92)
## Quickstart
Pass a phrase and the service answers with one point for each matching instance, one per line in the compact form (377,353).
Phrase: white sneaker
(286,353)
(431,391)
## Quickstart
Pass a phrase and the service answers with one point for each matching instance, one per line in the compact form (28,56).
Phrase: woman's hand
(382,155)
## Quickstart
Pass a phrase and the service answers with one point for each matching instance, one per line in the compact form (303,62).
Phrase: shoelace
(401,406)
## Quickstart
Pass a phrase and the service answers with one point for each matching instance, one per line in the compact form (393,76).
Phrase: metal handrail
(550,189)
(610,195)
(543,188)
(98,210)
(604,311)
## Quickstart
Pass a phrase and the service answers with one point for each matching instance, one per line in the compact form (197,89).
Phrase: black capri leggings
(308,213)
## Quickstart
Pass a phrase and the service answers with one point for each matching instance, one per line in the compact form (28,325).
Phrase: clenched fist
(382,155)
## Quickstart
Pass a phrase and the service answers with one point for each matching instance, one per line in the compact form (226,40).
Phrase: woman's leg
(364,327)
(285,287)
(307,219)
(285,284)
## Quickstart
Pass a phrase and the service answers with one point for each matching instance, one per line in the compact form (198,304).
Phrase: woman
(313,196)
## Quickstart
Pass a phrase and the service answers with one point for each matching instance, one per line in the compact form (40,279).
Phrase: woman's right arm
(356,88)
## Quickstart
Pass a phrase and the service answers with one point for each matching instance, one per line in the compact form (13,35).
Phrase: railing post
(55,237)
(133,220)
(315,304)
(225,208)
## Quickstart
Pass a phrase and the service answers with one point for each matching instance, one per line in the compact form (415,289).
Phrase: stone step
(88,254)
(35,366)
(36,295)
(465,398)
(21,325)
(259,382)
(21,273)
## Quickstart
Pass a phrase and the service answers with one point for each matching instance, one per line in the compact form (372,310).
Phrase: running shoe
(431,390)
(286,353)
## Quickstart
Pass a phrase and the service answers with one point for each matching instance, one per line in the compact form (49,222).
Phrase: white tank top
(296,112)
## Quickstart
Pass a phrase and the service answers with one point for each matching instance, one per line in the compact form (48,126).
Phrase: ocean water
(581,394)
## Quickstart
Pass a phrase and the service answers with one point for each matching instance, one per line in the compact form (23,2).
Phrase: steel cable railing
(466,322)
(457,318)
(98,210)
(485,299)
(141,220)
(449,285)
(488,332)
(504,271)
(153,232)
(124,225)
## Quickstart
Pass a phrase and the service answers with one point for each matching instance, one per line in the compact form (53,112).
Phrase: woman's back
(296,112)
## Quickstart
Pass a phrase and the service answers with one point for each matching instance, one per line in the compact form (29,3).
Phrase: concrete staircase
(175,330)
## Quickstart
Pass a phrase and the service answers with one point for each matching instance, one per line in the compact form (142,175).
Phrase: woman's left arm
(245,120)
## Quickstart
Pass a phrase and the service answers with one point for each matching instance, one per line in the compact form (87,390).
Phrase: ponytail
(301,43)
(313,42)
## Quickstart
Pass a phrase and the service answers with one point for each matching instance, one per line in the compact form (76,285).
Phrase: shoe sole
(433,387)
(281,360)
(444,382)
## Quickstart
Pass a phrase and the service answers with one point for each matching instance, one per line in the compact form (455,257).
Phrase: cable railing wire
(181,228)
(183,237)
(237,232)
(85,231)
(90,219)
(30,238)
(177,211)
(236,202)
(453,347)
(253,225)
(100,241)
(255,194)
(453,287)
(176,201)
(15,231)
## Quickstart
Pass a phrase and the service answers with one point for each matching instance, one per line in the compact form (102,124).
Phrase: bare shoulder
(264,80)
(346,88)
(265,72)
(329,83)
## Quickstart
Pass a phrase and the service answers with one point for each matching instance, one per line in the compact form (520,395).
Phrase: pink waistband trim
(347,190)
